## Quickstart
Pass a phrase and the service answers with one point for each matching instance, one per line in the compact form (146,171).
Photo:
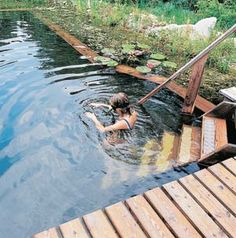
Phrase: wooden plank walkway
(199,205)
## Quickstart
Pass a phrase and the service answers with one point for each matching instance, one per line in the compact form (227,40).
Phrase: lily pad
(102,59)
(169,64)
(108,51)
(128,46)
(143,46)
(128,51)
(112,63)
(153,64)
(157,56)
(143,69)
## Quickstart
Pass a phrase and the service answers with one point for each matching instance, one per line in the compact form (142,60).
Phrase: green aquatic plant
(169,64)
(143,69)
(106,61)
(153,64)
(108,51)
(157,56)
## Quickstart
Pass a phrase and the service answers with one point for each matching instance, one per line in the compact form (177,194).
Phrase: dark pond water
(54,165)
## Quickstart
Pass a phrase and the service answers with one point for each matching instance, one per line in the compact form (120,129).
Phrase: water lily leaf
(153,64)
(143,46)
(169,64)
(102,59)
(108,51)
(112,63)
(143,69)
(128,46)
(157,56)
(128,51)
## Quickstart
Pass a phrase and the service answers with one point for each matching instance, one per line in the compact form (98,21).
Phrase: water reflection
(54,165)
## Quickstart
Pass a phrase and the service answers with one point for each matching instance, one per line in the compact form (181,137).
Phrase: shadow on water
(54,164)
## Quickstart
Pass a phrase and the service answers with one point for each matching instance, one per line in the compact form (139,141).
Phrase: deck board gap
(226,167)
(110,221)
(206,210)
(181,210)
(222,181)
(136,219)
(215,195)
(162,218)
(86,228)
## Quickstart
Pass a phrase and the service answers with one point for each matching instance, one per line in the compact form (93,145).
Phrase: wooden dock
(199,205)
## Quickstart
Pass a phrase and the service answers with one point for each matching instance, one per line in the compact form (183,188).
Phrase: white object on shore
(201,29)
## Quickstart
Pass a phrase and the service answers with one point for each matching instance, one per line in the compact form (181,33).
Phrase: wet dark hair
(121,101)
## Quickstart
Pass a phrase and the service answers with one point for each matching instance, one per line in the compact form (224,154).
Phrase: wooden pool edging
(201,103)
(202,204)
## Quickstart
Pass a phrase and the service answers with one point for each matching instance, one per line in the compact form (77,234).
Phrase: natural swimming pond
(54,164)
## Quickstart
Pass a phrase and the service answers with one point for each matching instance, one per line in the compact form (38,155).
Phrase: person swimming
(119,103)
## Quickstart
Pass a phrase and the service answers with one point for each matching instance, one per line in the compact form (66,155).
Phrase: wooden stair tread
(214,135)
(189,145)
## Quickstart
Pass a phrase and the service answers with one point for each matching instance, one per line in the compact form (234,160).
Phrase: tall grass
(22,3)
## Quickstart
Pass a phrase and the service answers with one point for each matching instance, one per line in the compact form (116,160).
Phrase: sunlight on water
(54,164)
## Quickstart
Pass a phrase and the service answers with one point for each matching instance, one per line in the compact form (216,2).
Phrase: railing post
(194,85)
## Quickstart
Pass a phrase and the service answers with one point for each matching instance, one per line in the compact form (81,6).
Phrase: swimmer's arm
(120,125)
(100,105)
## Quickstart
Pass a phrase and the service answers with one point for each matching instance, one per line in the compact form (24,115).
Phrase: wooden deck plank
(177,222)
(150,221)
(224,175)
(124,222)
(218,189)
(210,203)
(230,164)
(195,213)
(99,226)
(73,229)
(221,133)
(50,233)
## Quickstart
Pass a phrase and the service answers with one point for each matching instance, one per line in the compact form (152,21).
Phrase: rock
(204,27)
(201,29)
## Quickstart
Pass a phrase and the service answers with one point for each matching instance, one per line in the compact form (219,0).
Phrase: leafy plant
(157,56)
(143,69)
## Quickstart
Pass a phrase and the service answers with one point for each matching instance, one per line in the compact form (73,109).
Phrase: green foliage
(225,12)
(143,69)
(22,3)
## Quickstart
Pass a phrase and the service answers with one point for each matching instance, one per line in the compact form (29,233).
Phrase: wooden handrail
(190,63)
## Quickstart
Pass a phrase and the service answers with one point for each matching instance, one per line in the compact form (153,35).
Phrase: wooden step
(214,134)
(214,142)
(189,148)
(161,154)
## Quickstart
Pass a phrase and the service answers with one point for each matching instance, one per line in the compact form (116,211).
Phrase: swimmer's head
(120,101)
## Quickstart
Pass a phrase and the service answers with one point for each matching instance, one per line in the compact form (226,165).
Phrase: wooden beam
(194,85)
